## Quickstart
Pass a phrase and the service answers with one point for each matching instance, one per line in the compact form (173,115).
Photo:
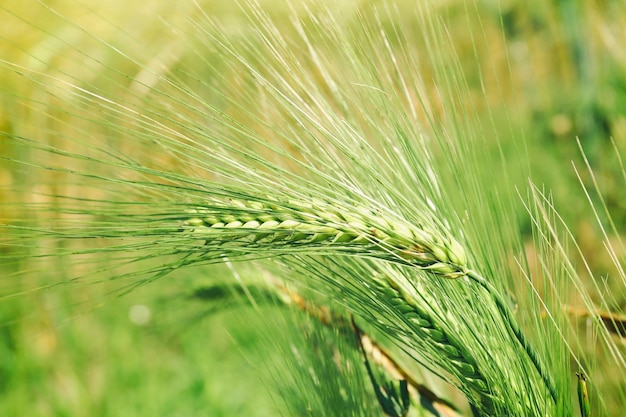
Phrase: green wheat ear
(354,230)
(459,360)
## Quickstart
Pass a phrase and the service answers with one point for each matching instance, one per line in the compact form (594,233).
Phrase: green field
(210,208)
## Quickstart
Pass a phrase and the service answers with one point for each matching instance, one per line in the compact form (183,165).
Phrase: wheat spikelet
(353,230)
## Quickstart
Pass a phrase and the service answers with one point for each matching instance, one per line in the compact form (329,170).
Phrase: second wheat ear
(516,331)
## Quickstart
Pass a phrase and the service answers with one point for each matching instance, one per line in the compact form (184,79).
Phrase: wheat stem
(354,230)
(583,395)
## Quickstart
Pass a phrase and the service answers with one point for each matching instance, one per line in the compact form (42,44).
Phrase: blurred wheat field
(510,85)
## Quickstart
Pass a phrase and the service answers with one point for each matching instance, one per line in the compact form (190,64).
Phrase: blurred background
(550,72)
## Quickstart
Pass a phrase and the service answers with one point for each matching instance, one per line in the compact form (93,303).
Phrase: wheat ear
(459,360)
(345,229)
(277,294)
(515,331)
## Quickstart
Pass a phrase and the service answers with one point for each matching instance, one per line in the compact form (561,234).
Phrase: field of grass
(312,208)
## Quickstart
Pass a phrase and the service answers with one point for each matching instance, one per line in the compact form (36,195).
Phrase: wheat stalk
(354,230)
